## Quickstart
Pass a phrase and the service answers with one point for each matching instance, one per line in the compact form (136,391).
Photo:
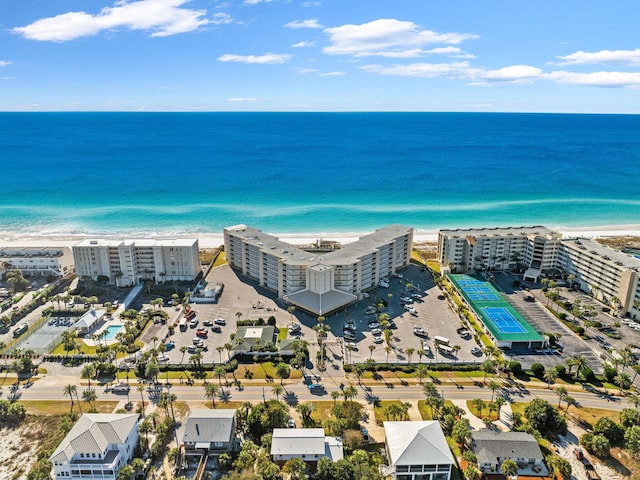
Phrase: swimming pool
(111,331)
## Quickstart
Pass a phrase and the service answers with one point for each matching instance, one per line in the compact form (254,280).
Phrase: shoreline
(213,240)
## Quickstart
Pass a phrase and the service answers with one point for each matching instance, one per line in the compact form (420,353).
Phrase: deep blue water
(119,173)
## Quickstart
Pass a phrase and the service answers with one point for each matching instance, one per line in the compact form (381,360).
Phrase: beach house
(210,430)
(494,447)
(308,444)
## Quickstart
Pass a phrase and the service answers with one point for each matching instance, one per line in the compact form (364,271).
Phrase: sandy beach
(212,240)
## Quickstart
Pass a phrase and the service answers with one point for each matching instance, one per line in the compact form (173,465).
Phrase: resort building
(97,446)
(604,272)
(128,262)
(37,261)
(494,447)
(319,284)
(416,451)
(210,430)
(308,444)
(538,251)
(534,249)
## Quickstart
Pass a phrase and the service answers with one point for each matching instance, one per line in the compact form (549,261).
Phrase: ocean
(187,173)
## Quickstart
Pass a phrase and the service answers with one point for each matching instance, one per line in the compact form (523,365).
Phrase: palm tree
(335,395)
(219,371)
(550,376)
(388,350)
(509,468)
(372,347)
(69,391)
(569,401)
(210,392)
(141,390)
(562,394)
(479,404)
(183,350)
(410,351)
(277,390)
(306,409)
(493,386)
(282,371)
(499,401)
(89,396)
(350,392)
(430,389)
(421,353)
(88,371)
(487,366)
(421,370)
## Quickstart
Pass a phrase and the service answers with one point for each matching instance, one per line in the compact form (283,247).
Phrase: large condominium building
(37,261)
(127,262)
(319,284)
(534,248)
(605,272)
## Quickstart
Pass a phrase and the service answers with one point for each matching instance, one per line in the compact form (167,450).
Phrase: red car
(201,332)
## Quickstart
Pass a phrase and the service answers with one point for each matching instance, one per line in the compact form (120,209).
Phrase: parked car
(374,325)
(220,321)
(291,423)
(365,434)
(316,388)
(216,329)
(163,358)
(370,310)
(378,339)
(350,327)
(476,351)
(376,331)
(351,345)
(419,331)
(201,332)
(193,323)
(169,345)
(207,323)
(348,335)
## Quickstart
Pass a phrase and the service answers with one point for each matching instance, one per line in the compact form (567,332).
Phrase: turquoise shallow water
(132,173)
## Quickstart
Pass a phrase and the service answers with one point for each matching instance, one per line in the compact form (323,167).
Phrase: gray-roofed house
(212,430)
(308,444)
(492,448)
(97,446)
(416,451)
(89,320)
(253,339)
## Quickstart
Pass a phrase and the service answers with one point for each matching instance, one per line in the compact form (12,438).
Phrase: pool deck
(109,322)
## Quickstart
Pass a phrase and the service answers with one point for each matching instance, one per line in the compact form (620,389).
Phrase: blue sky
(320,55)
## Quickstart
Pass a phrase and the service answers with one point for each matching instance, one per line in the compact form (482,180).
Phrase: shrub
(608,428)
(515,367)
(561,369)
(609,373)
(537,369)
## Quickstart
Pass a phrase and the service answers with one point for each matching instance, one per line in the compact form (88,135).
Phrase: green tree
(282,371)
(544,418)
(559,466)
(277,390)
(69,390)
(296,468)
(88,372)
(509,468)
(629,417)
(461,431)
(609,429)
(597,445)
(493,386)
(210,391)
(632,439)
(478,404)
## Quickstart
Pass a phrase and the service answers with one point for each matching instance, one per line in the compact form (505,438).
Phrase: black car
(216,329)
(207,323)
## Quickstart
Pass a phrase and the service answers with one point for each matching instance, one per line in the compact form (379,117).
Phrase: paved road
(51,389)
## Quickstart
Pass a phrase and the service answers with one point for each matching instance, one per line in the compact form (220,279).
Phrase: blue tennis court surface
(503,320)
(482,296)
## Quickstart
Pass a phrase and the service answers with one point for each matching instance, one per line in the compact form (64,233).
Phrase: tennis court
(500,319)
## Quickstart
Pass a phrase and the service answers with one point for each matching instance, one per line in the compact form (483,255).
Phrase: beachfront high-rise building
(316,283)
(532,248)
(128,262)
(37,261)
(603,271)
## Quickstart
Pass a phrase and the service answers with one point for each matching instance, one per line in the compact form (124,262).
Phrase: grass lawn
(433,265)
(84,349)
(485,411)
(222,404)
(590,414)
(378,410)
(425,410)
(282,333)
(322,410)
(265,370)
(221,259)
(55,407)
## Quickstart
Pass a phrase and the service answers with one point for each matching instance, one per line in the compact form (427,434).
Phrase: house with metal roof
(98,445)
(211,430)
(416,451)
(493,447)
(308,444)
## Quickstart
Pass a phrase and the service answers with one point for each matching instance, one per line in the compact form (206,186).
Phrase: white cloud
(255,2)
(618,57)
(511,74)
(7,78)
(4,63)
(337,73)
(311,23)
(268,58)
(241,99)
(303,44)
(386,35)
(423,70)
(311,4)
(161,17)
(305,71)
(221,18)
(597,79)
